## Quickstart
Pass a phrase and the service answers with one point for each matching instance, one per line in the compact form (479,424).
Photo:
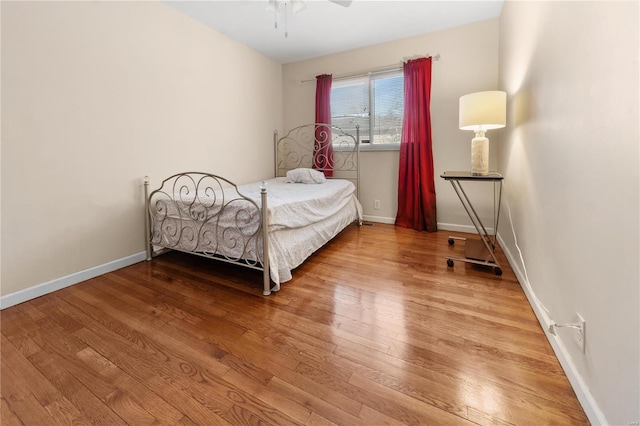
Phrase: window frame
(371,78)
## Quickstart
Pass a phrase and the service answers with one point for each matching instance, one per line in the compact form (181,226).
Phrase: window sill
(365,147)
(379,147)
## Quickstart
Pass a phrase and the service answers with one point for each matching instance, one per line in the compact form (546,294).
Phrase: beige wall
(469,63)
(570,154)
(97,95)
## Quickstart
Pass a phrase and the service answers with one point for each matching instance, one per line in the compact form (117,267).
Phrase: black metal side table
(479,251)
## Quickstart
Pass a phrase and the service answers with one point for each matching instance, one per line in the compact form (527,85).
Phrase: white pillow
(302,175)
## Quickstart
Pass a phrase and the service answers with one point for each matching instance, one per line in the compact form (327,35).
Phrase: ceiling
(324,27)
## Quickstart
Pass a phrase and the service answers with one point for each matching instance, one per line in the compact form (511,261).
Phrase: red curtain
(416,186)
(323,149)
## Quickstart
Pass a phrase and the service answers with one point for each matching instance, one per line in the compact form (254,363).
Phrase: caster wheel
(497,271)
(451,241)
(450,263)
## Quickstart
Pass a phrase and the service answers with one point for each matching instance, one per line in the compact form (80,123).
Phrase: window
(375,103)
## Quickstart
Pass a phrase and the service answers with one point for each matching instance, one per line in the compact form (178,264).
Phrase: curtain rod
(379,69)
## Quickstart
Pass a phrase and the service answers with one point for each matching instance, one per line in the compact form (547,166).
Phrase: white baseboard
(379,219)
(589,404)
(66,281)
(470,229)
(441,226)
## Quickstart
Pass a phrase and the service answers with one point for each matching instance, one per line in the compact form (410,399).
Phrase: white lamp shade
(483,110)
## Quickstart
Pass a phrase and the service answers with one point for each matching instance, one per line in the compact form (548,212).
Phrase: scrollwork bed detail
(296,149)
(210,216)
(205,214)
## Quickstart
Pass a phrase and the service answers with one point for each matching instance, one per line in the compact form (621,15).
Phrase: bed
(271,226)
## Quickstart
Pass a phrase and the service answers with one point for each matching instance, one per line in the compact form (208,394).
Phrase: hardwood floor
(373,329)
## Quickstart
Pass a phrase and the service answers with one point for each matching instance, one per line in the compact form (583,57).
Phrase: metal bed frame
(189,208)
(295,149)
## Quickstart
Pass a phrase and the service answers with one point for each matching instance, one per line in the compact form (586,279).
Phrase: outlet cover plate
(580,334)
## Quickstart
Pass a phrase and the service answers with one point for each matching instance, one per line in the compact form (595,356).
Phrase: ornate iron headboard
(296,149)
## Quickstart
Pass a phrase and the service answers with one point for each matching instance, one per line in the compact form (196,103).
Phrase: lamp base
(480,156)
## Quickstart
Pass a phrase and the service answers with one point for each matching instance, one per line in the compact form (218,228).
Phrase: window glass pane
(388,109)
(350,105)
(381,122)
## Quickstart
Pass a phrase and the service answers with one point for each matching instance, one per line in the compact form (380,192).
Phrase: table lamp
(482,111)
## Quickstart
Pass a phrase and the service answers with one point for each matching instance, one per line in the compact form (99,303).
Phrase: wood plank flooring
(373,329)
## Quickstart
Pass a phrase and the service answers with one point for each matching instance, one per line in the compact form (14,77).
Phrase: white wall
(469,63)
(0,151)
(95,96)
(570,155)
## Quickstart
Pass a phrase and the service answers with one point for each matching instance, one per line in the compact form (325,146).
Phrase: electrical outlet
(376,204)
(580,333)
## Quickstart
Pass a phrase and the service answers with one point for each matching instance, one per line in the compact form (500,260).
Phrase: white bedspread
(295,205)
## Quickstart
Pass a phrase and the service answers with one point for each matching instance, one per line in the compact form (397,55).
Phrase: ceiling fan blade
(345,3)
